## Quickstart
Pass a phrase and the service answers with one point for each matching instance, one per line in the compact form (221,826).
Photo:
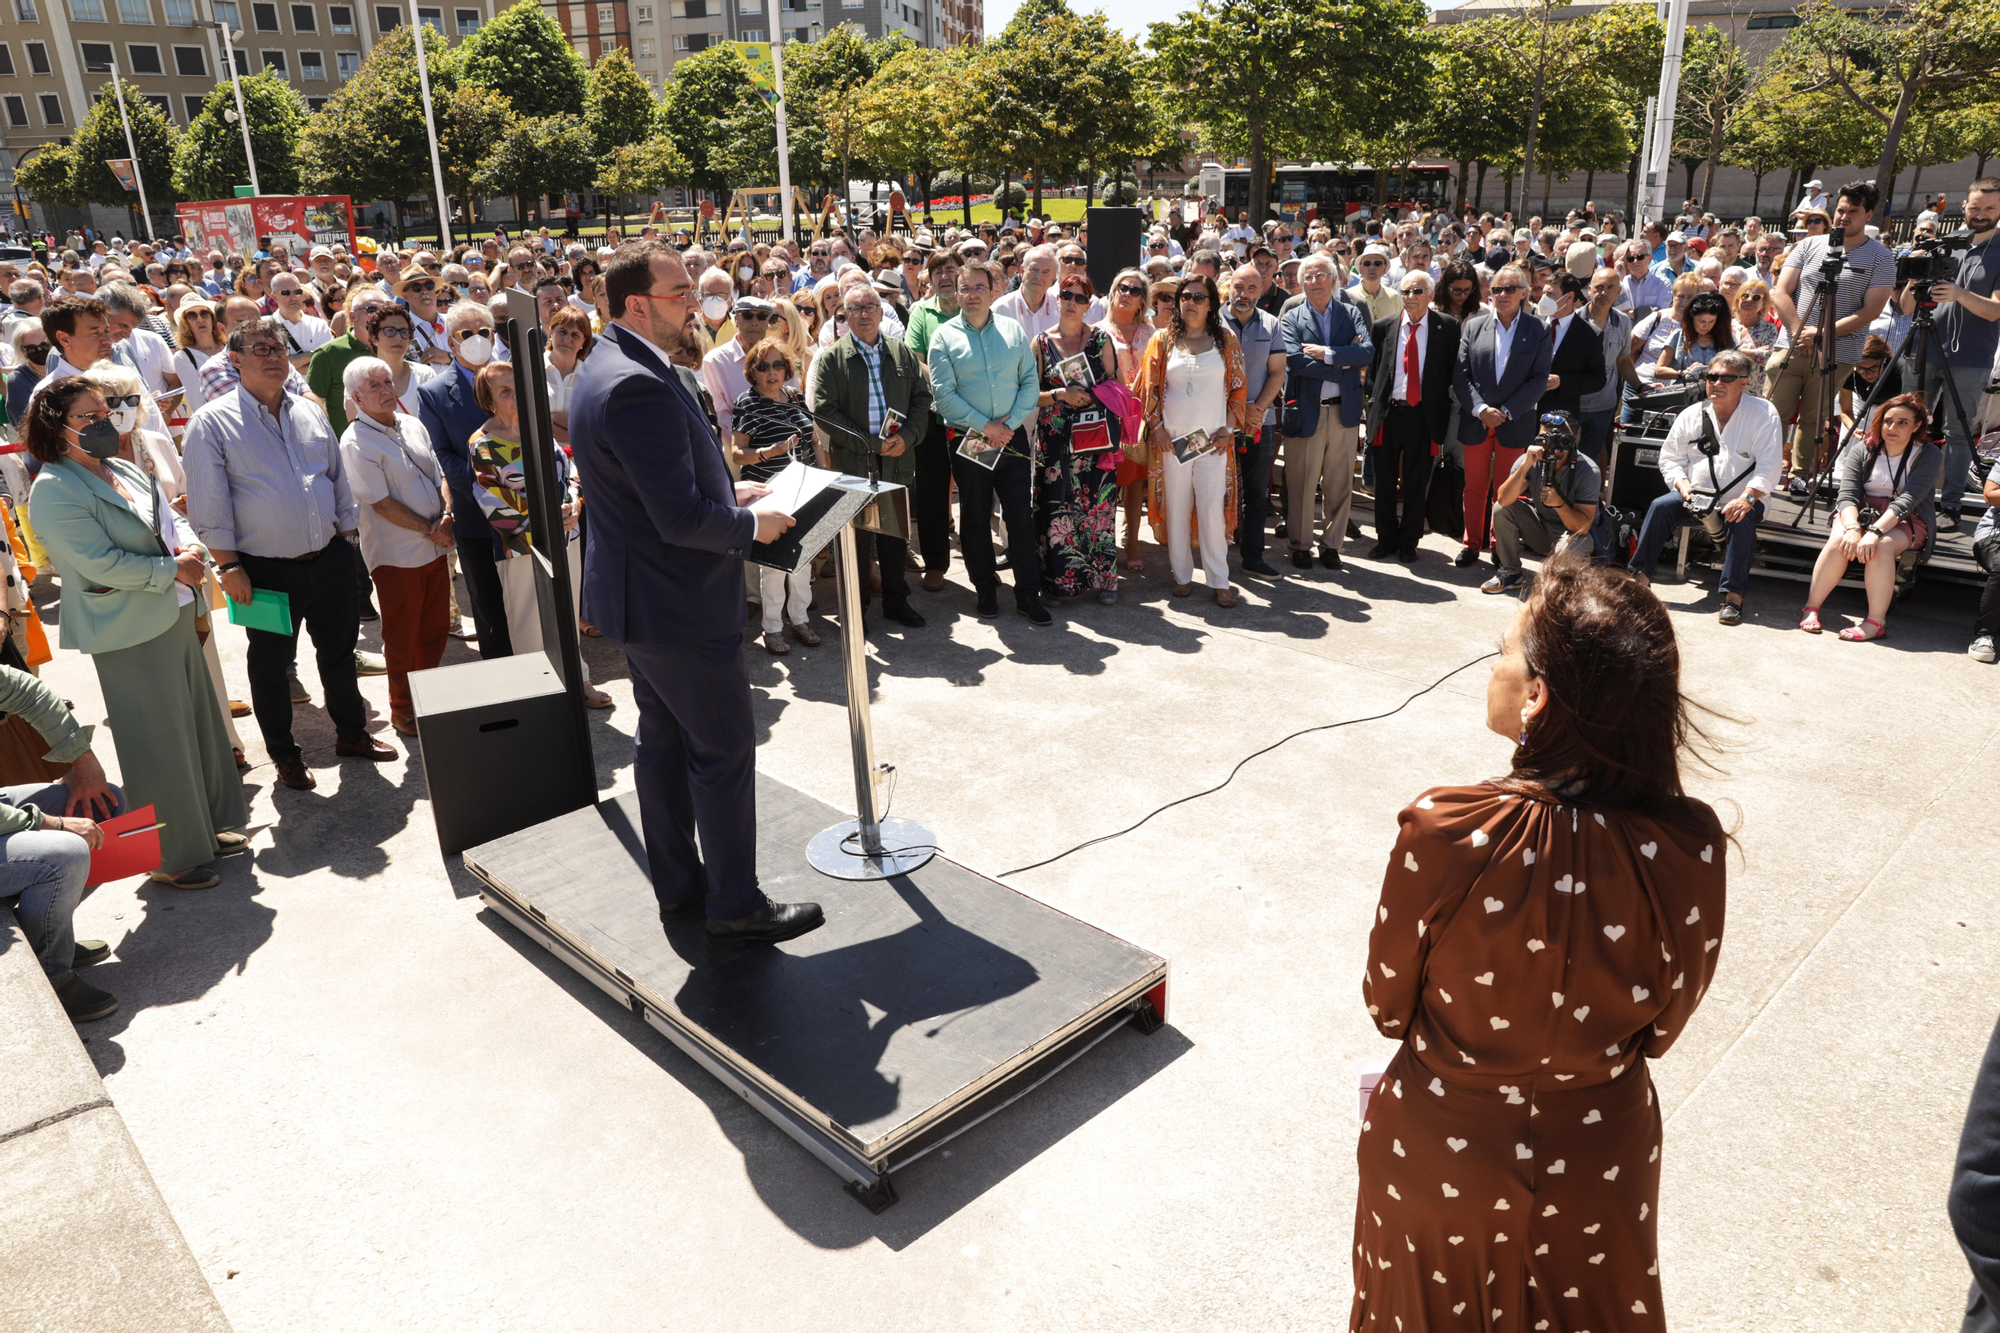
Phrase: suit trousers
(930,499)
(489,604)
(894,554)
(1402,476)
(323,603)
(1255,483)
(694,757)
(1322,460)
(1011,482)
(1486,466)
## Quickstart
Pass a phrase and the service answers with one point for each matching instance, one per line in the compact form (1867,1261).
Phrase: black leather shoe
(1329,557)
(1038,616)
(1263,569)
(989,604)
(906,615)
(1466,558)
(83,1002)
(1302,560)
(682,911)
(1408,555)
(1381,550)
(774,923)
(90,951)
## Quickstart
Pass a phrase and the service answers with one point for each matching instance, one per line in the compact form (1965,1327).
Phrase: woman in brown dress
(1537,940)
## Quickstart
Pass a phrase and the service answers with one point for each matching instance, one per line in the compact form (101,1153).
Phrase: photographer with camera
(1866,277)
(1887,479)
(1547,504)
(1966,334)
(1720,460)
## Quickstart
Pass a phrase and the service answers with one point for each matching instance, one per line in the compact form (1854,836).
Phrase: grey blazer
(1916,496)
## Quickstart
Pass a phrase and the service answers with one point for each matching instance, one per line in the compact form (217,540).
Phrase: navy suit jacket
(1306,376)
(1517,392)
(449,412)
(664,562)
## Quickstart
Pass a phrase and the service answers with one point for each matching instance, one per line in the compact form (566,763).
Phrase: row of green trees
(1527,94)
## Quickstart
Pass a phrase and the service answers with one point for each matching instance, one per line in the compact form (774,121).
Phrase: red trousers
(1486,466)
(416,612)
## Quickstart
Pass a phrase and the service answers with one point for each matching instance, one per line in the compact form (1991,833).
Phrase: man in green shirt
(329,362)
(47,832)
(930,493)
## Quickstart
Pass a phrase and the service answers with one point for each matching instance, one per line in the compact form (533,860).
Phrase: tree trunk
(1464,170)
(1479,195)
(1038,189)
(1756,192)
(1589,184)
(1791,189)
(846,189)
(1534,118)
(1259,201)
(1090,186)
(1632,190)
(965,194)
(1714,160)
(1507,194)
(1548,182)
(1885,170)
(1006,184)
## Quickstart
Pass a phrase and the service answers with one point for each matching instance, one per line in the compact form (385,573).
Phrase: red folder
(131,847)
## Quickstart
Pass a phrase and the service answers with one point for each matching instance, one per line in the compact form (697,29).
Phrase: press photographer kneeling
(1547,504)
(1720,460)
(1887,481)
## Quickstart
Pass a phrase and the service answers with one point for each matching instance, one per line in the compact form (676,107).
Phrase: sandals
(1809,621)
(774,643)
(1225,597)
(1860,634)
(804,634)
(1183,589)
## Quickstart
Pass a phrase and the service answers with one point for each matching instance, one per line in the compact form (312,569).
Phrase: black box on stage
(500,748)
(1635,476)
(1114,244)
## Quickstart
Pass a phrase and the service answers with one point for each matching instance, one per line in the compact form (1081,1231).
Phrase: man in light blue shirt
(985,385)
(266,492)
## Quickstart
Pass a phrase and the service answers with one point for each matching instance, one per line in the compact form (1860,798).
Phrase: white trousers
(1196,489)
(524,611)
(792,591)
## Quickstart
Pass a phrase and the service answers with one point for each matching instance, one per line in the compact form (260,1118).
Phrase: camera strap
(1711,444)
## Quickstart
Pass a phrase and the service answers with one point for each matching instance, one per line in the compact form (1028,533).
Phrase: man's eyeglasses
(265,351)
(766,367)
(1374,263)
(1505,290)
(1078,260)
(752,317)
(1722,377)
(433,268)
(1412,293)
(287,293)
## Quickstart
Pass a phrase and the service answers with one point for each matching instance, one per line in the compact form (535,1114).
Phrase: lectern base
(837,851)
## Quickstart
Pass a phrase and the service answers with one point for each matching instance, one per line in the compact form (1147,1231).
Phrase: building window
(265,17)
(607,17)
(1774,21)
(387,17)
(191,62)
(433,17)
(242,62)
(304,19)
(690,9)
(96,56)
(340,18)
(645,49)
(144,59)
(159,100)
(642,13)
(17,112)
(312,65)
(315,103)
(84,11)
(51,109)
(191,103)
(6,60)
(26,9)
(275,62)
(180,13)
(468,21)
(348,63)
(38,58)
(135,11)
(751,35)
(226,12)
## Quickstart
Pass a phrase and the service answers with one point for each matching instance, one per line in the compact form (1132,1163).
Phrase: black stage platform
(923,1005)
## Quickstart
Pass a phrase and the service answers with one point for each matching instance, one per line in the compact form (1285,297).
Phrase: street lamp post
(242,116)
(124,117)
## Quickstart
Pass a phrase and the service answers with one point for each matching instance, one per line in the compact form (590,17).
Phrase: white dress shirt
(1400,391)
(1753,435)
(1503,343)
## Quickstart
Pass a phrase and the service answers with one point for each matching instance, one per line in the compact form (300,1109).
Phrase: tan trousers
(1325,459)
(1797,386)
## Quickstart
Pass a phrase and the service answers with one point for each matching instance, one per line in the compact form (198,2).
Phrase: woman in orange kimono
(1194,391)
(1538,940)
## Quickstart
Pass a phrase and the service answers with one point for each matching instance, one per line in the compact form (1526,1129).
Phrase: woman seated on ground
(500,486)
(1894,475)
(108,525)
(773,428)
(1706,330)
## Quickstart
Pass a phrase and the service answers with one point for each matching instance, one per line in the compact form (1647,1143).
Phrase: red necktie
(1413,391)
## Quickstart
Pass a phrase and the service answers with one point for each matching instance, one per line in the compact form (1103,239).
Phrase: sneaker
(83,1002)
(1108,596)
(1947,520)
(1798,489)
(1504,582)
(1982,649)
(88,952)
(369,664)
(1731,613)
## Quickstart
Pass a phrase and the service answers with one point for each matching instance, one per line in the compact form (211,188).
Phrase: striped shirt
(769,421)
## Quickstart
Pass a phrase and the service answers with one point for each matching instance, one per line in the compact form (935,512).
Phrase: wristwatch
(233,564)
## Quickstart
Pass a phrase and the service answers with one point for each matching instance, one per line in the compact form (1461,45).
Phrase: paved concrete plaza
(371,1104)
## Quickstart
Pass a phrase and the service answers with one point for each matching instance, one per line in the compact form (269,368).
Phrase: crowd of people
(313,440)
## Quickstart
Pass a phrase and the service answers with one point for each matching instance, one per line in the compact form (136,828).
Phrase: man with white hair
(451,414)
(1325,341)
(1034,305)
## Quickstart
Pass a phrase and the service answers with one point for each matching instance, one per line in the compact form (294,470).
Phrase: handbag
(1140,449)
(1444,502)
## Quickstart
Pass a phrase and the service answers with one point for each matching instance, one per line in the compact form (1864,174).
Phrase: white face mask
(476,350)
(747,274)
(713,308)
(125,418)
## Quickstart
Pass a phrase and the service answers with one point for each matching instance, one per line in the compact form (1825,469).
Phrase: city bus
(1327,191)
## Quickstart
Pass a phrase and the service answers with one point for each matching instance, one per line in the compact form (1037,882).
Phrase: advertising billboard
(296,221)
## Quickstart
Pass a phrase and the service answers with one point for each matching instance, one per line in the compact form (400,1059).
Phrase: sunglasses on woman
(1139,292)
(766,367)
(1074,298)
(116,401)
(1197,297)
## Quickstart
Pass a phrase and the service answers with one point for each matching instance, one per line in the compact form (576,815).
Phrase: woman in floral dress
(1076,493)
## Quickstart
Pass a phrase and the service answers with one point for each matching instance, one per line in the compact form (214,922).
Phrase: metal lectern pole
(870,846)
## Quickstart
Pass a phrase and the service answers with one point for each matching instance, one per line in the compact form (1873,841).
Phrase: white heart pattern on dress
(1494,904)
(1527,856)
(1594,1116)
(1422,926)
(1484,978)
(1381,914)
(1710,945)
(1444,994)
(1638,1307)
(1536,946)
(1639,993)
(1437,1277)
(1647,849)
(1582,1013)
(1612,1174)
(1437,1086)
(1500,1205)
(1567,884)
(1571,1293)
(1394,1194)
(1499,1023)
(1514,1097)
(1479,838)
(1387,971)
(1597,1258)
(1449,1192)
(1410,860)
(1456,1240)
(1523,1151)
(1396,1147)
(1556,1167)
(1557,996)
(1614,933)
(1456,1145)
(1460,1307)
(1707,854)
(1593,1228)
(1694,915)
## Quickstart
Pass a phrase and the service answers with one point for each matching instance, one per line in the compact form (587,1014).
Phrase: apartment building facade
(664,32)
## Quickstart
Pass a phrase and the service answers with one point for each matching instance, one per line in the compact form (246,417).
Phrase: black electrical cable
(1306,731)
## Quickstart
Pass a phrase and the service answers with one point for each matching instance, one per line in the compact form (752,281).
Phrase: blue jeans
(47,869)
(1667,514)
(1256,492)
(1970,381)
(1596,431)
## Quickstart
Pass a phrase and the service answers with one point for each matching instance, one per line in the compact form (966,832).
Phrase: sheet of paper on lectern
(818,507)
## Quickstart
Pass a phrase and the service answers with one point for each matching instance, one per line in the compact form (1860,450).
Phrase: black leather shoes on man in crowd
(774,923)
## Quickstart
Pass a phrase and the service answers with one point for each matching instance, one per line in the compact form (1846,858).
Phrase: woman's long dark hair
(1214,327)
(42,432)
(1723,335)
(1458,270)
(1615,725)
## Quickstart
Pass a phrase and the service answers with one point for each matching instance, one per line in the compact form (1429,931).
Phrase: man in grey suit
(1503,370)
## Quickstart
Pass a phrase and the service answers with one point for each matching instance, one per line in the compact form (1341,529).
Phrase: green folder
(266,610)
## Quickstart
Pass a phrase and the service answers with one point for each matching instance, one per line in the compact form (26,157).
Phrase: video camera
(1919,262)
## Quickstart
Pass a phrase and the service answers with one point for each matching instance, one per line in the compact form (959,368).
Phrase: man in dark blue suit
(1326,346)
(1503,371)
(445,405)
(663,575)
